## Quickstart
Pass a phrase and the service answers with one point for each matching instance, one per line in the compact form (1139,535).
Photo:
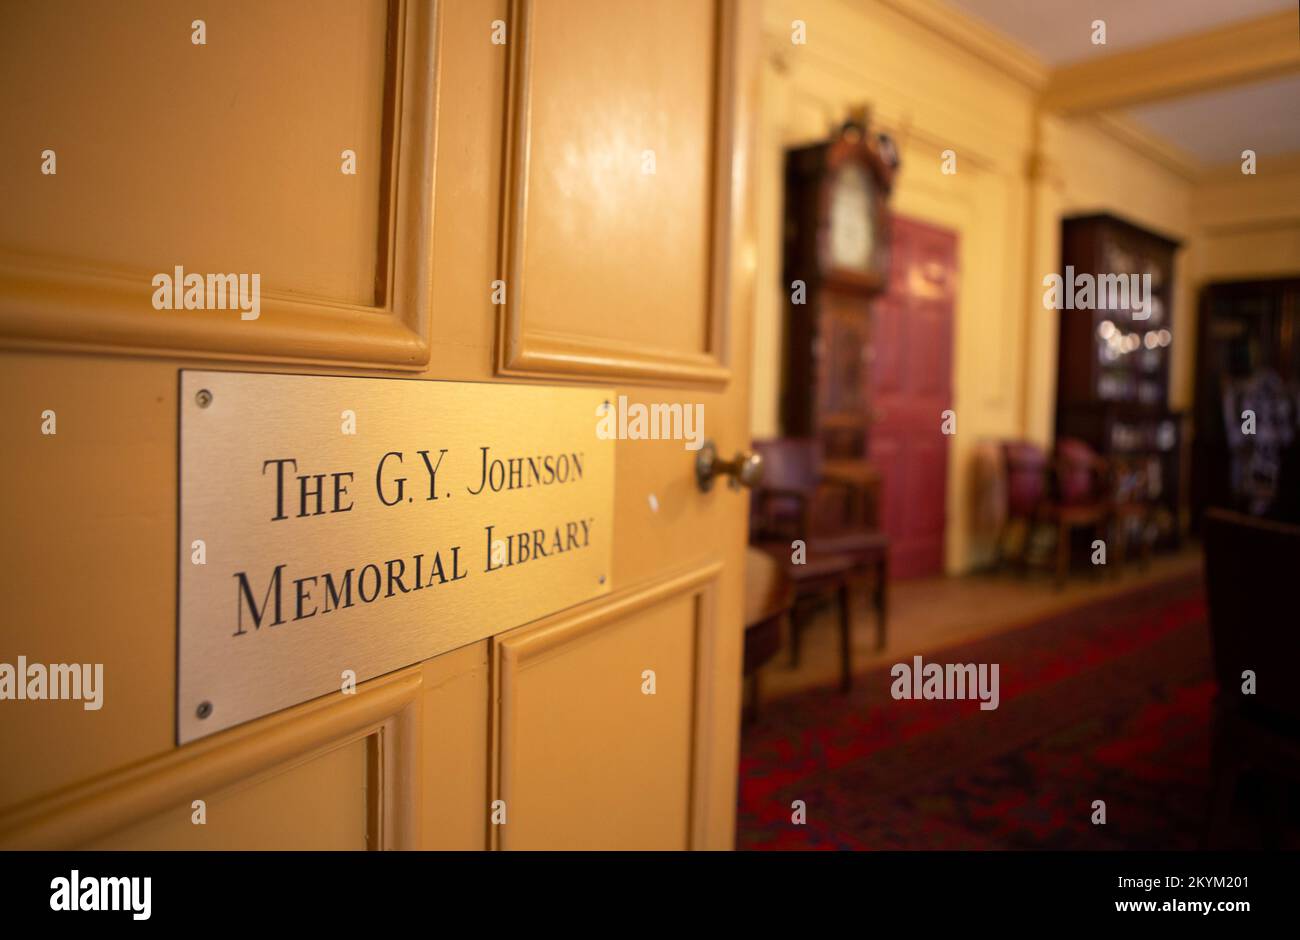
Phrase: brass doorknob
(740,470)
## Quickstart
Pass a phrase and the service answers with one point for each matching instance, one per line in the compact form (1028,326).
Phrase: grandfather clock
(836,259)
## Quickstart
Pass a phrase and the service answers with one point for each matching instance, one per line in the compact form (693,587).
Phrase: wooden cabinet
(1115,347)
(1248,359)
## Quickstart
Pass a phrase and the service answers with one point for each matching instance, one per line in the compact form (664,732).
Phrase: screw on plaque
(204,709)
(203,398)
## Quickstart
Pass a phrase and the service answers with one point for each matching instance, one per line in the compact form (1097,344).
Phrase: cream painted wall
(1248,226)
(1018,173)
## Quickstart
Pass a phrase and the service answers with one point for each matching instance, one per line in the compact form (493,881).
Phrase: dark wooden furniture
(794,498)
(1250,576)
(802,519)
(1075,489)
(799,500)
(1113,368)
(1246,331)
(836,258)
(1131,527)
(861,487)
(769,596)
(819,577)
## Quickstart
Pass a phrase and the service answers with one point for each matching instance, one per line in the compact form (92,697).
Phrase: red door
(912,388)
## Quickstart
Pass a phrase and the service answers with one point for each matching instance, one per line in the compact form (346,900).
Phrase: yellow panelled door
(544,192)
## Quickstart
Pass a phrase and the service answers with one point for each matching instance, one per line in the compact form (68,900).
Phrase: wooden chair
(820,577)
(1080,498)
(795,502)
(1251,568)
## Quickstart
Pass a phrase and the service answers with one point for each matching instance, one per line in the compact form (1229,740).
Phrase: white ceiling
(1214,127)
(1217,126)
(1060,31)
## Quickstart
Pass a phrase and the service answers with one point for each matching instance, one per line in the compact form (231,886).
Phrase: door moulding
(526,350)
(512,652)
(44,304)
(386,709)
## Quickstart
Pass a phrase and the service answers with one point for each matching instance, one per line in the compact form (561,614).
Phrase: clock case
(825,375)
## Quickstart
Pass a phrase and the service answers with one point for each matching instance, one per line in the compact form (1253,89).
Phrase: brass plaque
(335,529)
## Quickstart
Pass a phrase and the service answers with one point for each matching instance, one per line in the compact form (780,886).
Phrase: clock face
(852,220)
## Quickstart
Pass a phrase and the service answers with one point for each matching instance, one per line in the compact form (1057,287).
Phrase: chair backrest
(790,463)
(1026,468)
(1252,569)
(1078,472)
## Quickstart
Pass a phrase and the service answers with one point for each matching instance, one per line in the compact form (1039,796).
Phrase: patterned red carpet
(1110,701)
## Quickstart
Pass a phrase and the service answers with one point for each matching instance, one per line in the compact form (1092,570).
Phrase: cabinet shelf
(1113,370)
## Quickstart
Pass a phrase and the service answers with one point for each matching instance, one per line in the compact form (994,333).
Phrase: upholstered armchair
(1081,498)
(1071,490)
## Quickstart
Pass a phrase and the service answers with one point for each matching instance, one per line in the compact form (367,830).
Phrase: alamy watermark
(82,682)
(181,291)
(77,893)
(951,681)
(1098,292)
(654,422)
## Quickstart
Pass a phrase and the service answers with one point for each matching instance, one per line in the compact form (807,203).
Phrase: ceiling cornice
(1153,146)
(1218,58)
(986,44)
(1233,54)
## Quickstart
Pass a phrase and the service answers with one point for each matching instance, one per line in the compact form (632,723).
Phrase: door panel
(320,804)
(139,801)
(557,752)
(626,196)
(888,455)
(912,380)
(282,207)
(225,157)
(597,205)
(642,279)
